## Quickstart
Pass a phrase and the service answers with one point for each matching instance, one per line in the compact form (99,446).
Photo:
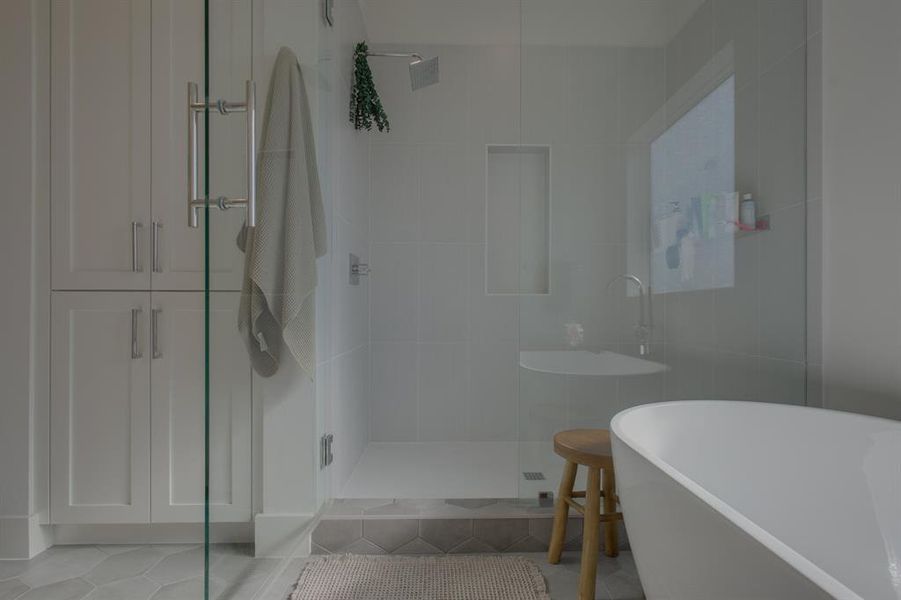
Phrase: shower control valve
(357,269)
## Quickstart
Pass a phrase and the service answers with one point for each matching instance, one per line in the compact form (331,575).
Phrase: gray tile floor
(166,572)
(175,572)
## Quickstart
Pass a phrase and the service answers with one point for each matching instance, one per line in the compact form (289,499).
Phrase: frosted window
(693,197)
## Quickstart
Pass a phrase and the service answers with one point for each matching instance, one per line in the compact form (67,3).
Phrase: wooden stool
(590,448)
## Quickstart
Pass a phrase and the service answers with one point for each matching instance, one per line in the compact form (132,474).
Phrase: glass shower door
(222,140)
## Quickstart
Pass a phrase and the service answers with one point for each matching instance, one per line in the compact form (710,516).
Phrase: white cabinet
(128,366)
(100,408)
(128,393)
(178,410)
(100,144)
(119,134)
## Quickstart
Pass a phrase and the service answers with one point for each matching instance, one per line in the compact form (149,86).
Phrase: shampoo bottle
(748,212)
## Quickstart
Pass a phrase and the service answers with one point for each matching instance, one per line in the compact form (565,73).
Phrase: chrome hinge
(326,457)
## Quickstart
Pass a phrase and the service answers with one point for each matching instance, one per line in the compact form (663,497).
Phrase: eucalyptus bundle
(365,104)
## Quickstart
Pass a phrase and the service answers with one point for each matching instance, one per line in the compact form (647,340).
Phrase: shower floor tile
(463,470)
(436,470)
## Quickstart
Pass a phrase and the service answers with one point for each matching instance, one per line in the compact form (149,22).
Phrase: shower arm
(415,55)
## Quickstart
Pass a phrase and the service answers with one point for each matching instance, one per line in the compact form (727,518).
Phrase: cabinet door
(178,410)
(100,407)
(100,144)
(178,52)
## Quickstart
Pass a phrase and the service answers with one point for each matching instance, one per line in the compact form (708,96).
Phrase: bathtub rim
(797,561)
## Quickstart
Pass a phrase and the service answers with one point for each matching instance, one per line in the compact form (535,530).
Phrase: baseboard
(153,533)
(283,535)
(274,535)
(41,537)
(23,537)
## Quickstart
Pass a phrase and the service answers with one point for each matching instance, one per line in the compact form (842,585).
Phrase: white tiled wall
(748,341)
(861,207)
(445,353)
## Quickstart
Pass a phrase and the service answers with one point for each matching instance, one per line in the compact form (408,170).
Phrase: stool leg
(590,539)
(611,532)
(561,513)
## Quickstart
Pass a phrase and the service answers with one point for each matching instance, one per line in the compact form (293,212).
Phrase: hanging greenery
(365,104)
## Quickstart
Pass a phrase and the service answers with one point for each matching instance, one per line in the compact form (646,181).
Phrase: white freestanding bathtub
(743,500)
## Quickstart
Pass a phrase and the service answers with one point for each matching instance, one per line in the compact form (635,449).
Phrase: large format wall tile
(494,396)
(394,290)
(443,116)
(544,94)
(736,22)
(690,49)
(443,293)
(394,395)
(593,95)
(782,286)
(445,205)
(783,29)
(443,388)
(783,124)
(394,190)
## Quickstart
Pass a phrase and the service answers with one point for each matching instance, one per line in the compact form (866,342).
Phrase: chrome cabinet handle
(196,107)
(136,263)
(155,333)
(136,351)
(155,234)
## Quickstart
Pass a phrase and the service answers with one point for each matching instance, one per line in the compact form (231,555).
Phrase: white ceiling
(543,22)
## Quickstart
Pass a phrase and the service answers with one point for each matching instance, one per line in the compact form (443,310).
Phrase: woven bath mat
(445,577)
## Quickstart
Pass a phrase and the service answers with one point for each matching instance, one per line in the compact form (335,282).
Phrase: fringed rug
(446,577)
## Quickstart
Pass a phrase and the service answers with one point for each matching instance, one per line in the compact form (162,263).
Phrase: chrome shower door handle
(155,351)
(194,110)
(155,235)
(136,351)
(136,263)
(196,107)
(250,92)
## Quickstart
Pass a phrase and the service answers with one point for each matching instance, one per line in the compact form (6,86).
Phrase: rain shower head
(423,73)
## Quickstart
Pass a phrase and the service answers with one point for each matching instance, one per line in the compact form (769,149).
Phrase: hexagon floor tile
(177,565)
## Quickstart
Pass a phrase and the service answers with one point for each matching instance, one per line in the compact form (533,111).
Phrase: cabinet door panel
(100,144)
(178,410)
(100,408)
(177,59)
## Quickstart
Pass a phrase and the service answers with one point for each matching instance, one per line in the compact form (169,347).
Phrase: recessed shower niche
(517,219)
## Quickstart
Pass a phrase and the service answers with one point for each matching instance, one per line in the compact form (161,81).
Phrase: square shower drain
(533,475)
